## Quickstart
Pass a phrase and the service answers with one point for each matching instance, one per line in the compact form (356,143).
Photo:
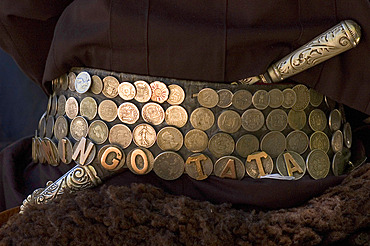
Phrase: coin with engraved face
(290,98)
(317,120)
(225,98)
(297,141)
(65,150)
(110,87)
(277,120)
(61,109)
(318,164)
(202,119)
(335,120)
(96,85)
(242,99)
(229,121)
(152,113)
(144,135)
(71,108)
(316,98)
(79,128)
(61,127)
(259,164)
(170,138)
(128,113)
(291,163)
(208,98)
(160,91)
(82,82)
(140,161)
(252,120)
(229,167)
(276,98)
(196,140)
(98,131)
(221,144)
(88,108)
(273,143)
(337,141)
(176,116)
(71,81)
(303,97)
(261,99)
(176,96)
(319,140)
(126,91)
(121,135)
(107,110)
(297,119)
(169,165)
(246,145)
(198,166)
(143,91)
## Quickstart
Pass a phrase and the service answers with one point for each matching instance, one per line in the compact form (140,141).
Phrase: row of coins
(170,165)
(297,98)
(140,90)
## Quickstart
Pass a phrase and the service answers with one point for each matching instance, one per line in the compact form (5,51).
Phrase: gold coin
(252,120)
(128,113)
(273,143)
(177,95)
(297,141)
(276,98)
(160,91)
(170,138)
(198,166)
(229,167)
(140,161)
(297,119)
(79,128)
(316,98)
(49,127)
(221,144)
(337,141)
(229,121)
(277,120)
(261,99)
(61,109)
(96,85)
(317,120)
(347,135)
(54,105)
(65,150)
(63,80)
(318,164)
(61,128)
(88,108)
(290,98)
(121,135)
(247,144)
(196,140)
(84,151)
(169,165)
(259,164)
(319,140)
(71,81)
(303,97)
(291,163)
(242,99)
(42,125)
(335,120)
(110,87)
(208,98)
(71,108)
(82,82)
(107,110)
(98,131)
(338,164)
(176,116)
(225,98)
(144,135)
(126,91)
(152,113)
(202,119)
(143,91)
(111,157)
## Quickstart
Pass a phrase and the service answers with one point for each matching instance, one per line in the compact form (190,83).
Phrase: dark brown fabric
(5,215)
(144,215)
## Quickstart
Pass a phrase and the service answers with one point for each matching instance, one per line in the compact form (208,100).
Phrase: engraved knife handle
(344,36)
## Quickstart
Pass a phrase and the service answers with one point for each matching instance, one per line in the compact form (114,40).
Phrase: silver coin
(88,108)
(54,105)
(242,99)
(221,144)
(297,141)
(49,127)
(71,108)
(317,120)
(277,120)
(144,135)
(61,109)
(98,131)
(143,91)
(71,81)
(96,85)
(208,98)
(170,138)
(290,98)
(252,120)
(42,125)
(291,163)
(297,119)
(198,166)
(318,164)
(261,99)
(229,121)
(64,81)
(196,140)
(152,113)
(121,135)
(202,118)
(338,164)
(107,110)
(79,128)
(319,140)
(82,82)
(225,98)
(347,135)
(337,141)
(247,144)
(61,128)
(273,143)
(276,98)
(303,97)
(176,116)
(169,165)
(229,167)
(316,98)
(259,164)
(335,120)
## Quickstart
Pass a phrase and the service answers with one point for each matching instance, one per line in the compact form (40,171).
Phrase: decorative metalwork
(78,178)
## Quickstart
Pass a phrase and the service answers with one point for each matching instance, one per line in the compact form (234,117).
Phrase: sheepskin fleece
(145,215)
